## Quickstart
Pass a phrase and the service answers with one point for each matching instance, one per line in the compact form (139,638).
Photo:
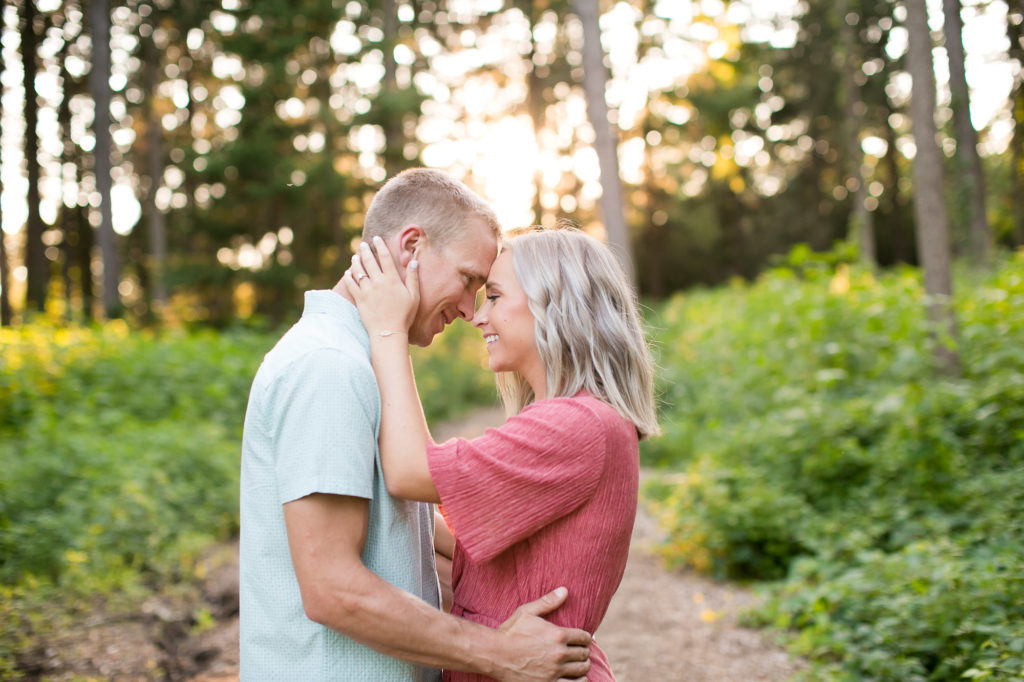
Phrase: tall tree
(933,243)
(534,103)
(595,80)
(1015,32)
(861,223)
(155,218)
(6,316)
(970,179)
(64,131)
(391,120)
(99,86)
(35,256)
(5,279)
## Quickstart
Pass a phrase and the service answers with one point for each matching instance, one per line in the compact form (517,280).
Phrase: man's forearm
(378,615)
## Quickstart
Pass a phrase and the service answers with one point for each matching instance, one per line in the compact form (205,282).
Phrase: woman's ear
(411,240)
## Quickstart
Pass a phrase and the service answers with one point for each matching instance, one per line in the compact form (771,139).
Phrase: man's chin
(418,337)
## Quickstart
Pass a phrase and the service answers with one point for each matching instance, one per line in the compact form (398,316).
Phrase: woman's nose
(480,316)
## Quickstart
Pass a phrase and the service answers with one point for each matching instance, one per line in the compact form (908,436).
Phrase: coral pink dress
(547,499)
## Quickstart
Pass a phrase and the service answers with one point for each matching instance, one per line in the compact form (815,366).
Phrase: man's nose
(466,306)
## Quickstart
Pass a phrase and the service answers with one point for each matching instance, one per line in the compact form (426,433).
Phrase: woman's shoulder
(580,407)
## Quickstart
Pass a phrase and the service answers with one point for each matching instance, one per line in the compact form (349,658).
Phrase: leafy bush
(817,444)
(118,448)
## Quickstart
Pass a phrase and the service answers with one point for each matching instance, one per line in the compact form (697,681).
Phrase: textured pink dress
(547,499)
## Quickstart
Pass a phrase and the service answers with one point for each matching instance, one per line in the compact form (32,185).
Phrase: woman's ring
(361,276)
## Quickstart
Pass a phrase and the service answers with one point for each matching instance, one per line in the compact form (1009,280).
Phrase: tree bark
(336,188)
(35,254)
(1015,32)
(970,179)
(605,140)
(155,218)
(902,228)
(6,314)
(535,106)
(862,227)
(933,243)
(69,232)
(655,239)
(99,85)
(394,152)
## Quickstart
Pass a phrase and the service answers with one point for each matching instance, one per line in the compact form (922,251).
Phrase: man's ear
(411,239)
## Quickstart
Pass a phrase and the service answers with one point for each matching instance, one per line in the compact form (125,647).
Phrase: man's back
(311,427)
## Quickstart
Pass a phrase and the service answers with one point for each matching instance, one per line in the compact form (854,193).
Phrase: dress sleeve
(509,483)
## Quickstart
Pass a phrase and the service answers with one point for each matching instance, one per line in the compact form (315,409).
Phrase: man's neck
(340,289)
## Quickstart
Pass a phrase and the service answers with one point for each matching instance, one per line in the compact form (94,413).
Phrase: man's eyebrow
(475,276)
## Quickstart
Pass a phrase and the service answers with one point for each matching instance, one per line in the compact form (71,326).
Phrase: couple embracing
(341,541)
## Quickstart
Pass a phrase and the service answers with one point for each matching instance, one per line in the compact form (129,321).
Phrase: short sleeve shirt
(311,426)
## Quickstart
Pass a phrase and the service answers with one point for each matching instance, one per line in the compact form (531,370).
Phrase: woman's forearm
(403,429)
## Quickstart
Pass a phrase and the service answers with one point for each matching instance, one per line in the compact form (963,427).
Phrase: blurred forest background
(821,205)
(218,157)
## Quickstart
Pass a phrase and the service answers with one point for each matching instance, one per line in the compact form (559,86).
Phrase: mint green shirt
(311,426)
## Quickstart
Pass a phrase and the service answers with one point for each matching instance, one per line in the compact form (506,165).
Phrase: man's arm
(326,534)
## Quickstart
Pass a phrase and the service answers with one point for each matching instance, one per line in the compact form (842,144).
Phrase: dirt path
(662,625)
(677,625)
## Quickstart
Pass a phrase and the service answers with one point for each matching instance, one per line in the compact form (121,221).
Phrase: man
(337,578)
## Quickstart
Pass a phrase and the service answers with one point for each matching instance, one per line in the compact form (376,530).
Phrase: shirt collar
(339,310)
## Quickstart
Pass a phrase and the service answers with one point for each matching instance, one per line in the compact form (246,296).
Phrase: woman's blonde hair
(587,325)
(430,198)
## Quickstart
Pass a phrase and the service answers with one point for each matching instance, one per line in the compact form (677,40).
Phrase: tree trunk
(901,231)
(394,152)
(933,242)
(83,258)
(535,106)
(6,316)
(155,218)
(69,233)
(35,255)
(970,179)
(335,189)
(1015,32)
(862,227)
(99,85)
(655,238)
(605,139)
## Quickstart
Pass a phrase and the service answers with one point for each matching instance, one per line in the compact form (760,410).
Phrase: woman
(549,498)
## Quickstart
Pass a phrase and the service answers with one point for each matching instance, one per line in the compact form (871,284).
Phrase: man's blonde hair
(587,325)
(430,198)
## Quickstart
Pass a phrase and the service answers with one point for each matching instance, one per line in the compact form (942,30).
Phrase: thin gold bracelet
(388,333)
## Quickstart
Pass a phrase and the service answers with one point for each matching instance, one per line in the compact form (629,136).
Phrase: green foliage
(816,444)
(119,450)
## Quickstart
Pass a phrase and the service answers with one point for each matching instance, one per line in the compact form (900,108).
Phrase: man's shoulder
(300,356)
